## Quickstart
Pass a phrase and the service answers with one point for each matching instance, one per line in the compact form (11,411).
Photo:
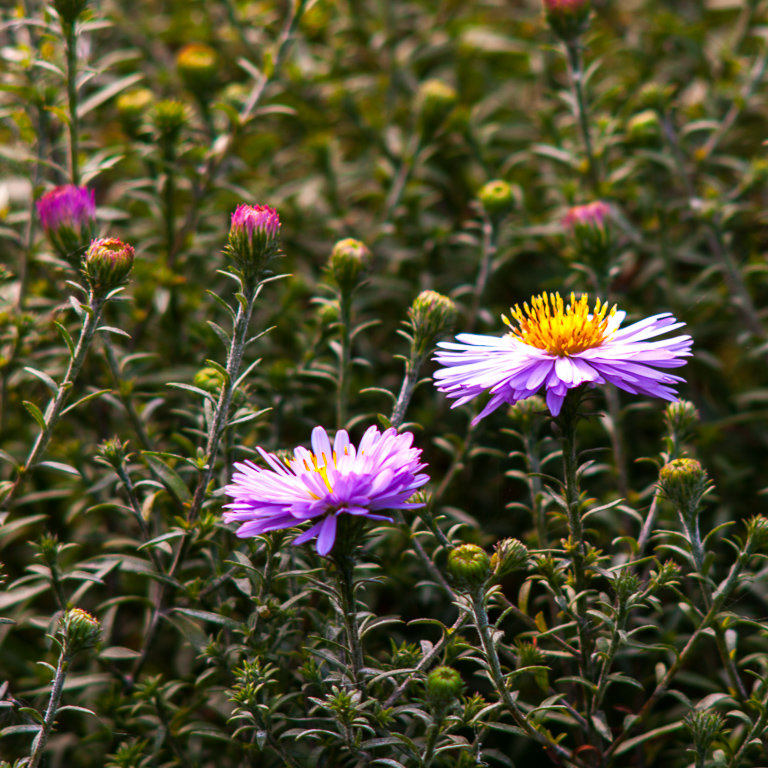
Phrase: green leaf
(215,618)
(85,399)
(44,377)
(35,412)
(106,93)
(169,478)
(59,466)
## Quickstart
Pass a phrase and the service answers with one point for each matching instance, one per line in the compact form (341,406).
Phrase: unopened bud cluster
(348,264)
(469,566)
(113,451)
(254,239)
(107,263)
(78,631)
(68,217)
(680,419)
(704,726)
(431,315)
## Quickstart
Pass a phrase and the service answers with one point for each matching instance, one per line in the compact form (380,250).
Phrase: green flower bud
(209,379)
(198,65)
(684,482)
(431,315)
(667,576)
(757,533)
(469,566)
(527,413)
(497,198)
(567,18)
(436,100)
(680,419)
(655,96)
(69,10)
(168,118)
(114,452)
(349,262)
(626,584)
(107,263)
(644,126)
(528,654)
(78,631)
(443,687)
(704,726)
(509,555)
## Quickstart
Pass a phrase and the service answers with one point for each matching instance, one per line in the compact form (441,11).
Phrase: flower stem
(345,343)
(91,319)
(489,246)
(345,575)
(38,746)
(70,37)
(576,72)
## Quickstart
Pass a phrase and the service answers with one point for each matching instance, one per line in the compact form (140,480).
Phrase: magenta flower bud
(589,226)
(107,263)
(68,217)
(253,238)
(568,18)
(590,215)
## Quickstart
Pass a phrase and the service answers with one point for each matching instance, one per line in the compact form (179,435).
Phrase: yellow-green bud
(704,726)
(655,96)
(643,126)
(436,100)
(349,262)
(431,315)
(667,576)
(497,198)
(680,418)
(78,631)
(528,413)
(443,687)
(508,555)
(469,566)
(209,379)
(107,263)
(198,65)
(684,482)
(757,533)
(132,106)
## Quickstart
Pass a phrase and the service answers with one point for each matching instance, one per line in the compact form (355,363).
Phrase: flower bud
(704,726)
(198,65)
(684,482)
(69,10)
(431,315)
(592,237)
(567,18)
(107,263)
(680,419)
(68,217)
(349,262)
(496,197)
(209,379)
(757,533)
(668,575)
(644,126)
(508,555)
(113,451)
(78,630)
(436,100)
(132,106)
(168,118)
(469,566)
(254,239)
(443,687)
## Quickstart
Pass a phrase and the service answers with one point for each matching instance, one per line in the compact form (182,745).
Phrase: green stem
(411,379)
(40,742)
(489,246)
(499,683)
(342,391)
(576,72)
(70,37)
(431,742)
(92,317)
(345,575)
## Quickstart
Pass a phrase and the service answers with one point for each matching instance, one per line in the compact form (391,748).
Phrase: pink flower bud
(107,263)
(590,215)
(568,18)
(68,217)
(253,238)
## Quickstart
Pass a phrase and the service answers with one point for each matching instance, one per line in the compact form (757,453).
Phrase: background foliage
(217,651)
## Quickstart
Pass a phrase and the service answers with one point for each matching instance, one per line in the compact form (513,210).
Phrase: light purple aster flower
(560,347)
(381,473)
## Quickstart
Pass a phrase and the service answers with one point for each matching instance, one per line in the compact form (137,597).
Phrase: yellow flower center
(320,465)
(560,329)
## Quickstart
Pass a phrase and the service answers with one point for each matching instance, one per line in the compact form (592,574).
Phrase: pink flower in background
(559,347)
(68,216)
(381,473)
(591,215)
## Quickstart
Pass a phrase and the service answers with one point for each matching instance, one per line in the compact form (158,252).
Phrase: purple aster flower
(560,347)
(321,484)
(68,216)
